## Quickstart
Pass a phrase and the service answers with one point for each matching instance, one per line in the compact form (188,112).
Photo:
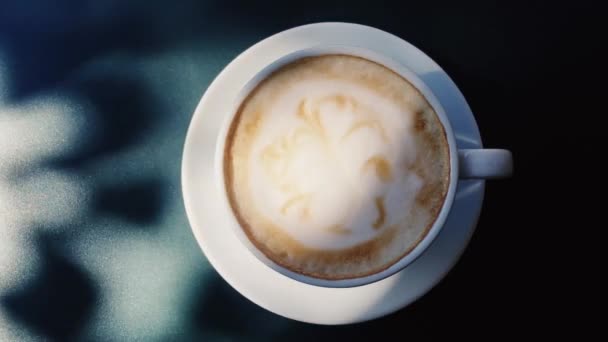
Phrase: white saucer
(270,289)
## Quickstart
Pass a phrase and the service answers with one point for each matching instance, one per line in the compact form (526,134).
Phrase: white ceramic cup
(464,164)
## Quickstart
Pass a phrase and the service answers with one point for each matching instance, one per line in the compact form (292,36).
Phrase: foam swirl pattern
(336,167)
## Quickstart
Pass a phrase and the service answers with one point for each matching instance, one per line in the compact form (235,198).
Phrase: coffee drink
(336,167)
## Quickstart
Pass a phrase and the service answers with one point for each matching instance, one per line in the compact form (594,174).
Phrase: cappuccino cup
(338,166)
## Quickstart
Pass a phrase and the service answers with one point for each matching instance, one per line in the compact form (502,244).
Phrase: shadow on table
(139,202)
(57,302)
(118,114)
(221,311)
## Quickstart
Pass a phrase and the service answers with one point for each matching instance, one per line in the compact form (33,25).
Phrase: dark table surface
(95,101)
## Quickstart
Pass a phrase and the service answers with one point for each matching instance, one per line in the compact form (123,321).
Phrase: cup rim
(400,69)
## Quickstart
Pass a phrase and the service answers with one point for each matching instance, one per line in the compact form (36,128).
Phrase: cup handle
(485,163)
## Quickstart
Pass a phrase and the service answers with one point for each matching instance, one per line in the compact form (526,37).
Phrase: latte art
(332,157)
(336,167)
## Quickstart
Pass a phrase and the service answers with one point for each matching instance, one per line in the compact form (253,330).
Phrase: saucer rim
(197,228)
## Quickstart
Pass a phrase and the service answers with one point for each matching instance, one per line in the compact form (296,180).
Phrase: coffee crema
(336,167)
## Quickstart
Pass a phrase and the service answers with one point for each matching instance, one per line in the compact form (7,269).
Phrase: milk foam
(336,167)
(333,205)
